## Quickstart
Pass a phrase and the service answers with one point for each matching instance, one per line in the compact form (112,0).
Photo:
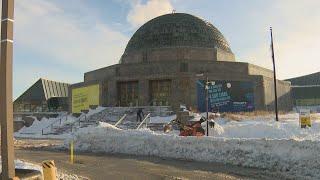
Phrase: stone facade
(305,90)
(184,83)
(176,54)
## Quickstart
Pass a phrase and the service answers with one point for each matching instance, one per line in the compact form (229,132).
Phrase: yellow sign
(304,118)
(84,97)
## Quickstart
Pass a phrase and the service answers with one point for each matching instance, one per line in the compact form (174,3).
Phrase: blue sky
(60,40)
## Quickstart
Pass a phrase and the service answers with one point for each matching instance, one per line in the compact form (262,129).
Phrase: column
(6,107)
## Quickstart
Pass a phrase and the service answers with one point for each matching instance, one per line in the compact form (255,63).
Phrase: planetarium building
(168,61)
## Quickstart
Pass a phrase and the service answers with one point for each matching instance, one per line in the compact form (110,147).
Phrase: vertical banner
(226,96)
(84,97)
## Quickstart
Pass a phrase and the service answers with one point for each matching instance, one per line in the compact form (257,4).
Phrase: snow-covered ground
(253,142)
(264,127)
(158,119)
(20,164)
(35,130)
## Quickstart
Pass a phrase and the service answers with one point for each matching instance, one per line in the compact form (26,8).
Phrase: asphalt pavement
(106,166)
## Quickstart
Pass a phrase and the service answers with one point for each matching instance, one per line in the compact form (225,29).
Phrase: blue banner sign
(226,96)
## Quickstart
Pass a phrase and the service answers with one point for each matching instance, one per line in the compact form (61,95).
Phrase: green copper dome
(177,30)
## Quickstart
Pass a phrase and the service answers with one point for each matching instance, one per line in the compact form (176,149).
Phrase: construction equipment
(192,129)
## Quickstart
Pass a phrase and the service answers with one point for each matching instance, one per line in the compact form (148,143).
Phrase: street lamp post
(207,102)
(6,107)
(206,87)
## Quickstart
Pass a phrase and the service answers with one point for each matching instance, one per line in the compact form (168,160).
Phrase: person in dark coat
(140,115)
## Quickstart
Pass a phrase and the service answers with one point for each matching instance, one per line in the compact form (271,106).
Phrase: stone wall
(167,68)
(257,70)
(176,54)
(224,56)
(283,91)
(101,74)
(183,75)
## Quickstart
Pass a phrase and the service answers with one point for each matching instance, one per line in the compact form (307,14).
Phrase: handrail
(103,116)
(79,119)
(56,121)
(120,120)
(50,125)
(144,121)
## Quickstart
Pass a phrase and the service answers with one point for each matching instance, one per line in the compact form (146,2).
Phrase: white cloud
(141,13)
(296,36)
(43,27)
(64,38)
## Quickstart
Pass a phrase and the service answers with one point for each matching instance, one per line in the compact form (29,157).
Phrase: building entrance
(160,92)
(128,93)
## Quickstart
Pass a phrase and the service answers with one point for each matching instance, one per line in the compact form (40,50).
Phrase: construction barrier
(49,170)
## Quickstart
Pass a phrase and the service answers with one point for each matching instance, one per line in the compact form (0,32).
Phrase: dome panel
(177,30)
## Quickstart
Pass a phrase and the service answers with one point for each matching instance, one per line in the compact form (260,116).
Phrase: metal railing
(120,120)
(102,117)
(60,122)
(78,121)
(144,121)
(51,125)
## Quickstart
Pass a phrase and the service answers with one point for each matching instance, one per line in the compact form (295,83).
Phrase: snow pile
(261,127)
(95,111)
(35,130)
(108,126)
(292,157)
(159,119)
(37,126)
(19,164)
(66,176)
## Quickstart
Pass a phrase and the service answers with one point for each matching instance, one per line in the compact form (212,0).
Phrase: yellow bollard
(71,152)
(49,170)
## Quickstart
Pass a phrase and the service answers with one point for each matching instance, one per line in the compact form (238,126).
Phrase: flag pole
(274,77)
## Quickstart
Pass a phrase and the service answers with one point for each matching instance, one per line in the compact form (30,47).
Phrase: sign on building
(84,97)
(304,118)
(226,96)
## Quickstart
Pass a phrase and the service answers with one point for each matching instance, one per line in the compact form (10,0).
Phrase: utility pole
(274,77)
(6,107)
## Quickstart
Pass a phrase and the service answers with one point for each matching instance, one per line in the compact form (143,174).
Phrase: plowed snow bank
(293,157)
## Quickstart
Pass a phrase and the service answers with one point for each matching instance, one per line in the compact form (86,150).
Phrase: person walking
(140,115)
